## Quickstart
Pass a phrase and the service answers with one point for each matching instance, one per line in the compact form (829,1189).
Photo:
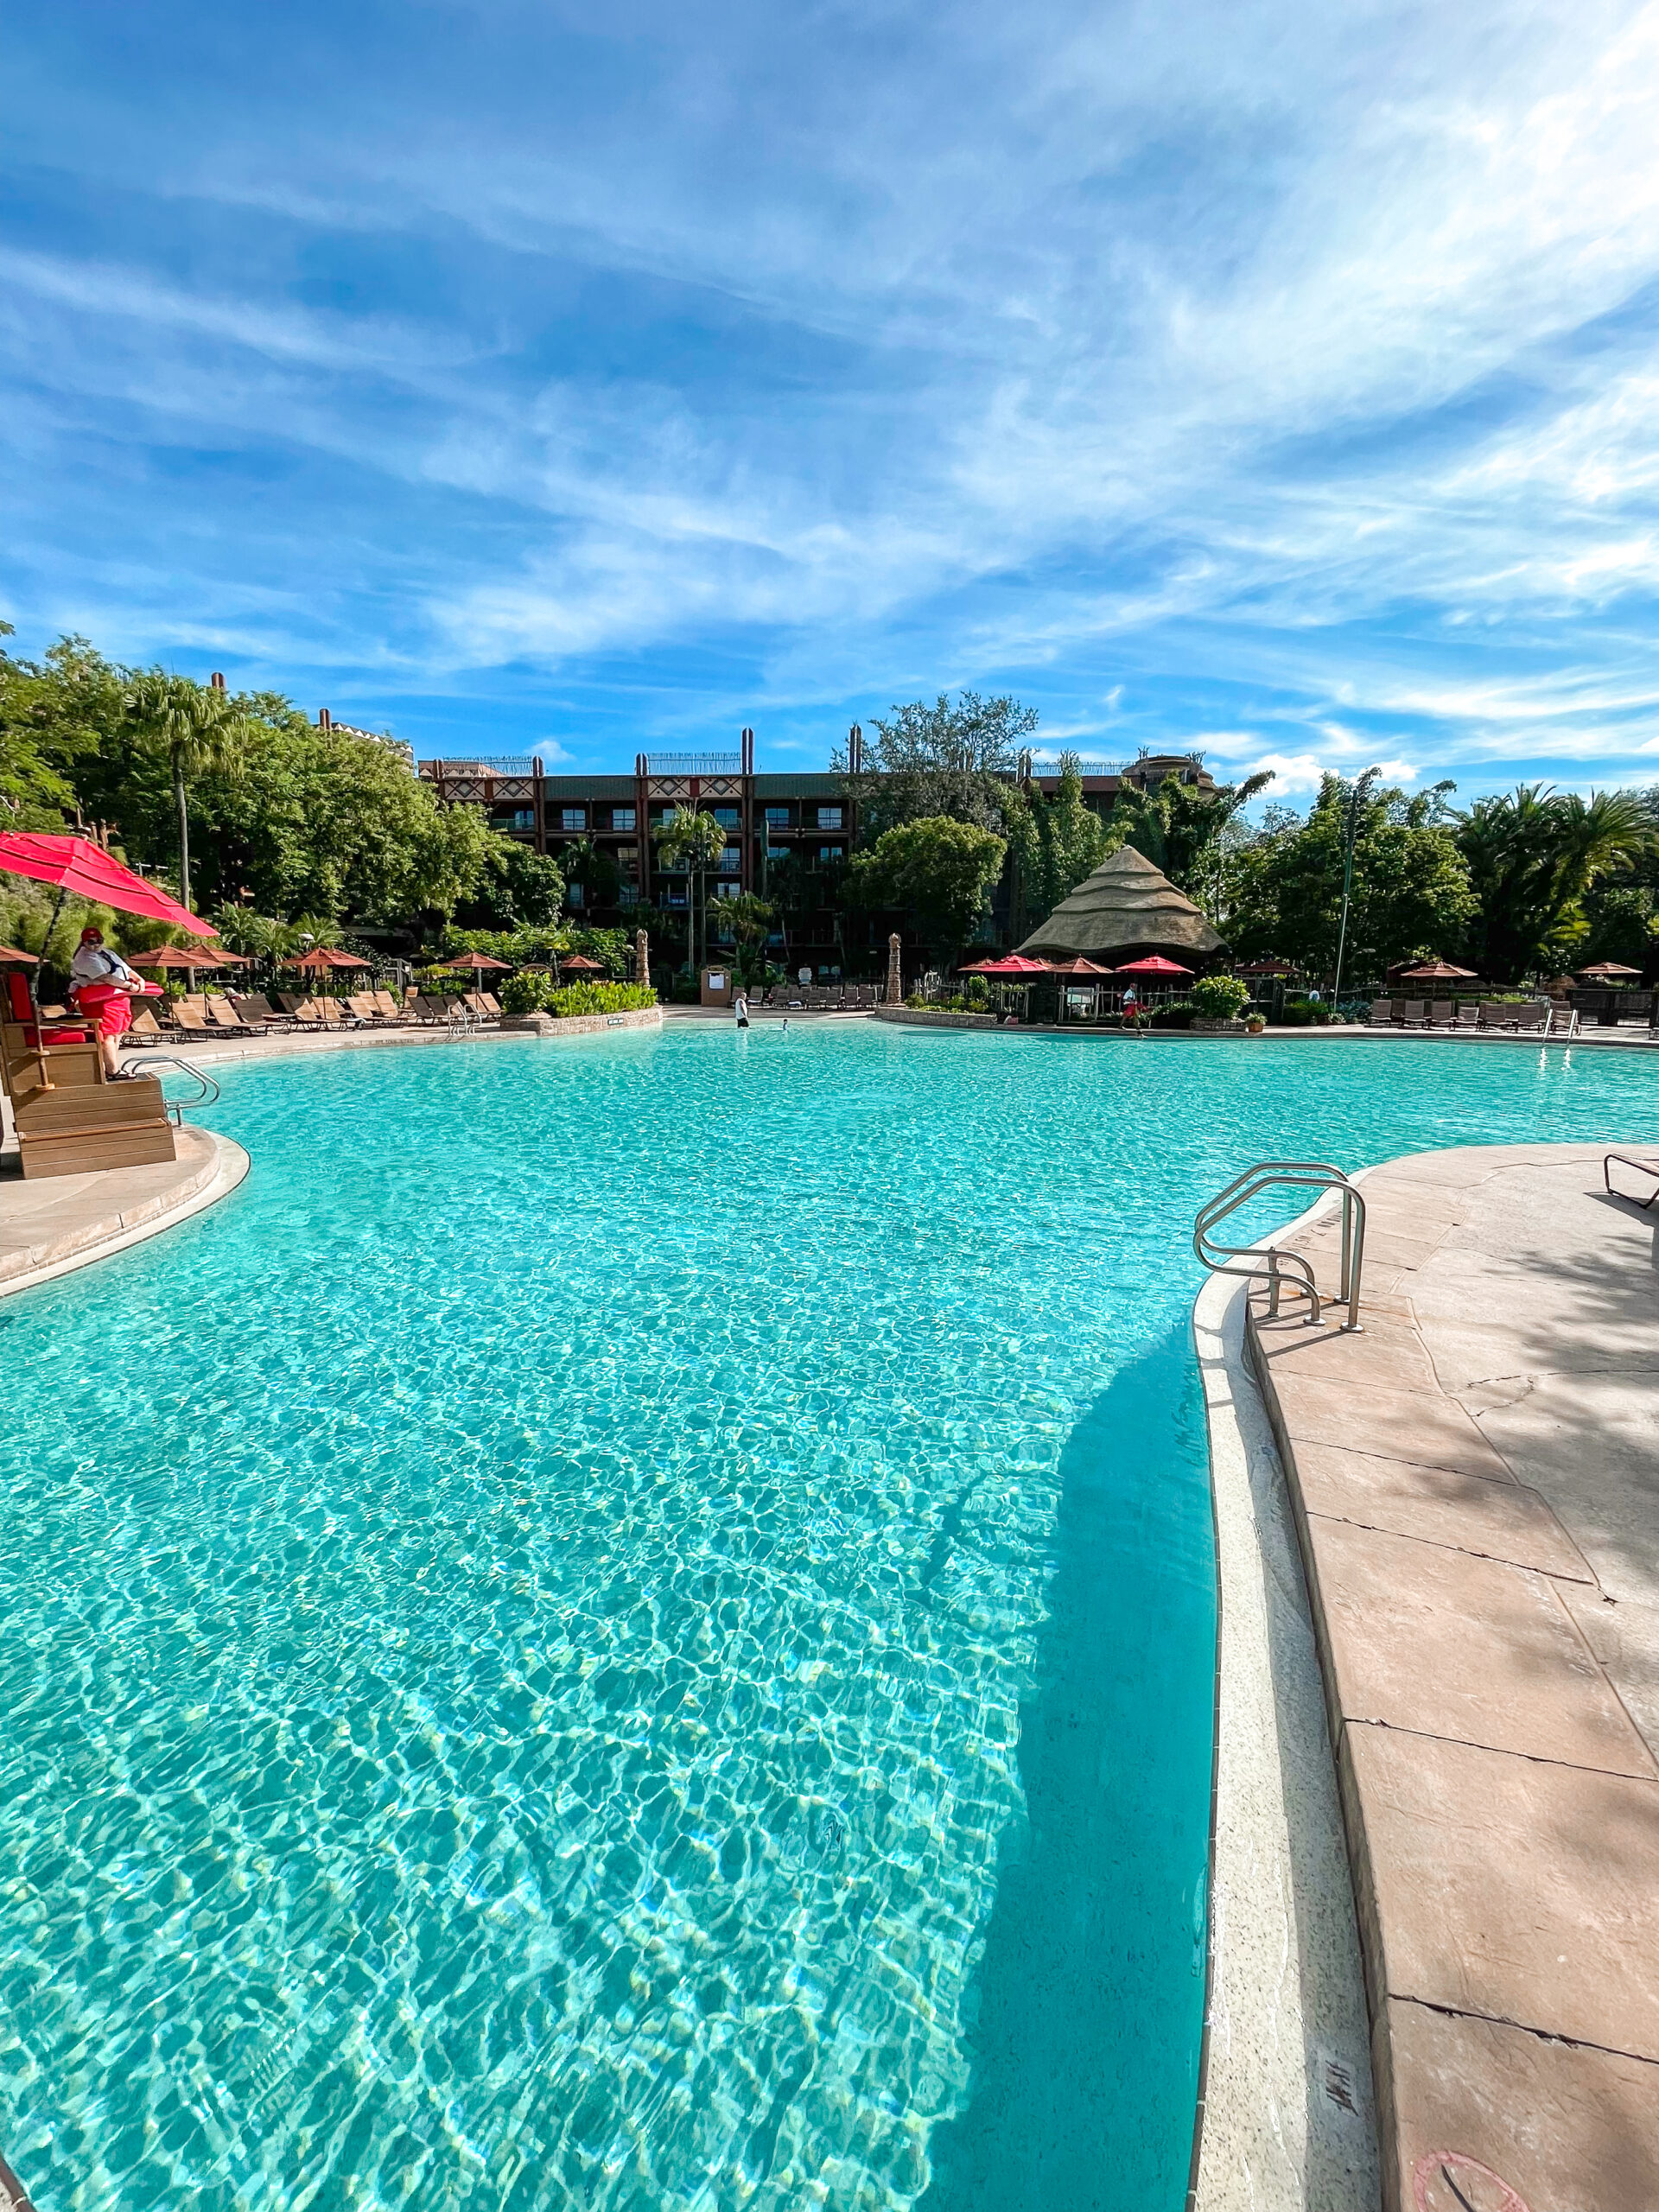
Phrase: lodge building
(788,827)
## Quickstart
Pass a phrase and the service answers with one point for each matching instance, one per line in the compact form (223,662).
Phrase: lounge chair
(145,1029)
(491,1004)
(1381,1015)
(364,1006)
(390,1009)
(1535,1016)
(1468,1018)
(254,1006)
(191,1015)
(1497,1013)
(1414,1014)
(1649,1168)
(1563,1021)
(226,1015)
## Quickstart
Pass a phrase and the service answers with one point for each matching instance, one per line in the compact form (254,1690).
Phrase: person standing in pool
(740,1008)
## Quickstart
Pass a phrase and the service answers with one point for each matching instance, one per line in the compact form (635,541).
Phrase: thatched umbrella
(1127,906)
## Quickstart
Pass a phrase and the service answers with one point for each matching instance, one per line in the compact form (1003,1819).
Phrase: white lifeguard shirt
(96,963)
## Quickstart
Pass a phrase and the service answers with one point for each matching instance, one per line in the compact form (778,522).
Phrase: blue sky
(1274,379)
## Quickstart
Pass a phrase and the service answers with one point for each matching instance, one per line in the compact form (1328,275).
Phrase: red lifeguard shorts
(111,1010)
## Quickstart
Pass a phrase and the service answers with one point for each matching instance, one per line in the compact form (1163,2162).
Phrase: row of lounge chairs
(251,1014)
(818,998)
(1539,1016)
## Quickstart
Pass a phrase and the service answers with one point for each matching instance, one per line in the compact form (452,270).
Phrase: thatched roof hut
(1125,908)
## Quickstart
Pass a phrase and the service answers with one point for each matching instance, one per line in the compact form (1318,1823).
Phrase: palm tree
(198,727)
(1533,854)
(698,840)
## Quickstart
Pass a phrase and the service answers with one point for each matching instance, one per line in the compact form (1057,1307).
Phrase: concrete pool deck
(1475,1483)
(54,1223)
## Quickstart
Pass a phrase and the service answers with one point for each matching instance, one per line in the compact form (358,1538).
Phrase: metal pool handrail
(1286,1269)
(176,1106)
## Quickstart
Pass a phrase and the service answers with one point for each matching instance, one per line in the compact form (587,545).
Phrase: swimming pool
(630,1623)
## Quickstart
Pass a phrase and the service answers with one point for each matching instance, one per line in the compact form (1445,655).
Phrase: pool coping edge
(1285,2113)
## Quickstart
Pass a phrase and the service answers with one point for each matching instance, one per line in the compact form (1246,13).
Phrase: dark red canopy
(1153,964)
(1012,963)
(76,864)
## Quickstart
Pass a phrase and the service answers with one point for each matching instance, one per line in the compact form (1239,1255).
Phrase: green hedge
(530,992)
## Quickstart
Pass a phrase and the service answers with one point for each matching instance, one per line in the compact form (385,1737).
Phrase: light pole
(1356,799)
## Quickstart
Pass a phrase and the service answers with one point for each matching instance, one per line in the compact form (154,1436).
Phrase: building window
(523,818)
(828,852)
(829,818)
(572,817)
(778,818)
(575,895)
(731,860)
(627,894)
(726,815)
(622,817)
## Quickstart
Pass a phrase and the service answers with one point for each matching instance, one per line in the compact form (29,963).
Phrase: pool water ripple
(630,1625)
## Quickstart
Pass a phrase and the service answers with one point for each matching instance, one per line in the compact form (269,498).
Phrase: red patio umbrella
(478,961)
(178,955)
(75,863)
(321,957)
(1078,967)
(1437,971)
(1153,964)
(1012,963)
(1610,968)
(578,963)
(11,958)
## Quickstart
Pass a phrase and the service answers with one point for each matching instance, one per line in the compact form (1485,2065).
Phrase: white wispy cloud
(1280,372)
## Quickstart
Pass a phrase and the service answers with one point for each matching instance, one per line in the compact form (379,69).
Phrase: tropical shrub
(1220,998)
(533,991)
(1174,1013)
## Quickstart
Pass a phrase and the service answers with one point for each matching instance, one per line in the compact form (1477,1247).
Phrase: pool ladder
(204,1096)
(1286,1272)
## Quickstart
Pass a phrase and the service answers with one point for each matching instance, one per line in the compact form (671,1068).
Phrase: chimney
(855,749)
(217,680)
(325,720)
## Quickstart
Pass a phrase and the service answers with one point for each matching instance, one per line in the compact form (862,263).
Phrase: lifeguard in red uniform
(102,987)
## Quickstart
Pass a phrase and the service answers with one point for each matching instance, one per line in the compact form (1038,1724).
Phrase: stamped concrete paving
(1476,1481)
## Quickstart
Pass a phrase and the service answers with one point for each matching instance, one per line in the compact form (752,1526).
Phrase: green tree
(592,868)
(956,760)
(1183,830)
(516,888)
(1055,844)
(198,728)
(747,920)
(55,716)
(690,836)
(1533,856)
(1411,889)
(939,871)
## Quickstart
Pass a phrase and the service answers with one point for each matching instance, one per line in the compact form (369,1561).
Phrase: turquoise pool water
(629,1625)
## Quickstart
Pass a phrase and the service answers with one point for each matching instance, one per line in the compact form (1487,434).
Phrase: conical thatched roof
(1124,909)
